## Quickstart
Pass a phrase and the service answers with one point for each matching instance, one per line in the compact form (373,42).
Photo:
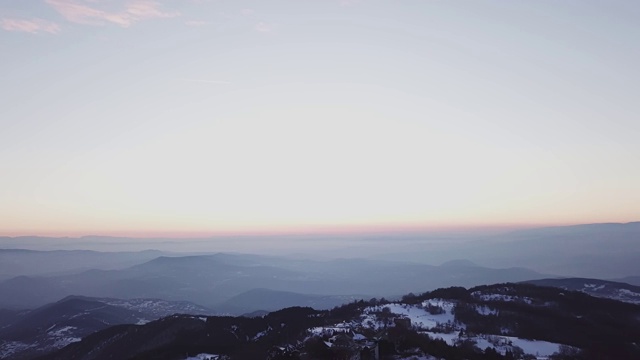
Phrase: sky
(197,117)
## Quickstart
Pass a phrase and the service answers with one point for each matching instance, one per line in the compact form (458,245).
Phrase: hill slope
(594,287)
(503,321)
(56,325)
(28,333)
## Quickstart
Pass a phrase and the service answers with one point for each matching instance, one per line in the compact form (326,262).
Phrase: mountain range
(150,303)
(212,280)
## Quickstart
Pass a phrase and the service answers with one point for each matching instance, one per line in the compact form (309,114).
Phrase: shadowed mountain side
(56,325)
(10,316)
(73,310)
(24,334)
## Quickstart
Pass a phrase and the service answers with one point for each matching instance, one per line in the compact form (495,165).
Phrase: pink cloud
(80,12)
(32,26)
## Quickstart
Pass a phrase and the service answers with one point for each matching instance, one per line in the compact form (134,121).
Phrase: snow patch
(501,343)
(63,331)
(11,347)
(373,316)
(259,335)
(502,297)
(627,292)
(485,310)
(204,356)
(593,287)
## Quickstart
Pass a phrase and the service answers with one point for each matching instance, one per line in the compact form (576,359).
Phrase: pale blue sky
(141,117)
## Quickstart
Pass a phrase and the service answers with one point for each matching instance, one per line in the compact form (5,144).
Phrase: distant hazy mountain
(19,262)
(606,251)
(213,279)
(593,250)
(459,263)
(633,280)
(594,287)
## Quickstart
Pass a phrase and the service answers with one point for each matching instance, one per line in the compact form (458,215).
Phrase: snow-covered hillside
(435,318)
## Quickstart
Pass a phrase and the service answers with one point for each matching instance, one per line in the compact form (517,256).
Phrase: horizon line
(302,231)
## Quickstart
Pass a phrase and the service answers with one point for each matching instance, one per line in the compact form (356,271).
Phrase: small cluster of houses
(345,343)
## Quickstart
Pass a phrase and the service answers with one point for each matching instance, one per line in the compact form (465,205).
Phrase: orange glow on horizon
(336,229)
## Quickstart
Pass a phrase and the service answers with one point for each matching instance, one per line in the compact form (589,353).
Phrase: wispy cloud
(263,27)
(85,12)
(32,26)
